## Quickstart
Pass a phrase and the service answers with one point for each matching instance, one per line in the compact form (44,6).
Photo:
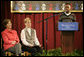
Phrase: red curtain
(54,40)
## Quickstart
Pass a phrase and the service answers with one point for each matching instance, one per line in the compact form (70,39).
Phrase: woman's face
(9,25)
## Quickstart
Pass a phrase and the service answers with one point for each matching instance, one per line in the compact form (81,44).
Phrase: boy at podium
(67,37)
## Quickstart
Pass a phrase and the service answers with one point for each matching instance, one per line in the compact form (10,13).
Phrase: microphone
(50,17)
(54,15)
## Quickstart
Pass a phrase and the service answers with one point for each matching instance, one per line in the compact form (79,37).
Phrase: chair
(6,53)
(26,53)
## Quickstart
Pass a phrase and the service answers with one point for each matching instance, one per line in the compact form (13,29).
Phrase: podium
(67,35)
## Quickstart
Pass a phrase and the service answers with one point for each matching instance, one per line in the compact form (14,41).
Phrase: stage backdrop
(54,38)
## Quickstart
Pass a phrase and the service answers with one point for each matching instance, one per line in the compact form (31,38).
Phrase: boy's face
(67,8)
(28,24)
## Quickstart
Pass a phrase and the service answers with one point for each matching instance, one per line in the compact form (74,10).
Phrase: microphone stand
(47,27)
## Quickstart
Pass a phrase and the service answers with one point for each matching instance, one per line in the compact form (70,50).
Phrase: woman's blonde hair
(27,20)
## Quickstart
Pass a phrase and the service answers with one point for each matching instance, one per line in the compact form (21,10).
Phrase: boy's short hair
(67,4)
(27,20)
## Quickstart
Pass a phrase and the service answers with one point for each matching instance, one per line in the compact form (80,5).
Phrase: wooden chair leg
(27,53)
(8,53)
(24,54)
